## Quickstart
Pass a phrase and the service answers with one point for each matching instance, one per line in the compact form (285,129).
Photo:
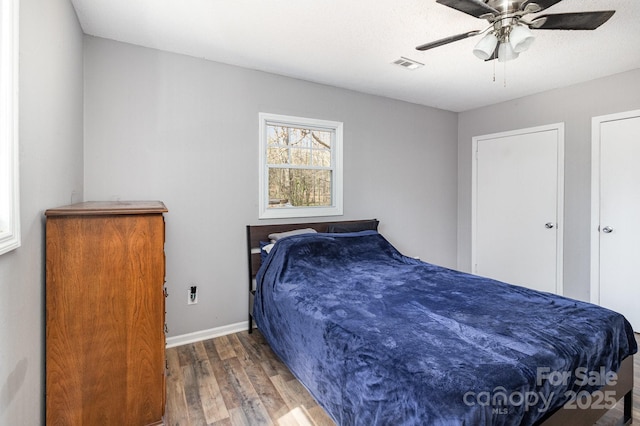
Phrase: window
(9,202)
(300,167)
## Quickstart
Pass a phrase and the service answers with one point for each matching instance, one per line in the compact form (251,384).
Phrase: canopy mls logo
(502,402)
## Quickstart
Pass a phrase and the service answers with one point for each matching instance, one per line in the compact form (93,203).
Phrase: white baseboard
(198,336)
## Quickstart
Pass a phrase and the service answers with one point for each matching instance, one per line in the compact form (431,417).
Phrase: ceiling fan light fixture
(520,38)
(486,46)
(506,52)
(509,33)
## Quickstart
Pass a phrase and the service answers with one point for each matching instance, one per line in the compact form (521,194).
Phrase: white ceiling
(352,44)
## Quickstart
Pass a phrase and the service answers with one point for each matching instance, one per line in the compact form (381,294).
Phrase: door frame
(596,122)
(559,127)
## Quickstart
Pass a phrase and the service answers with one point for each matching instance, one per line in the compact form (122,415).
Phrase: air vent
(407,63)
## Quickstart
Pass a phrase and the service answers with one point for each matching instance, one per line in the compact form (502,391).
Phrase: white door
(616,193)
(518,207)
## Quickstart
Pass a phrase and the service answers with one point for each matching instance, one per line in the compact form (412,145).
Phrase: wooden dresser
(105,310)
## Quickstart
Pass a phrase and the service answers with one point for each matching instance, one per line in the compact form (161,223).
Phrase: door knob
(548,225)
(607,229)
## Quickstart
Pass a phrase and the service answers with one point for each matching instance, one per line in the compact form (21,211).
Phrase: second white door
(616,214)
(518,194)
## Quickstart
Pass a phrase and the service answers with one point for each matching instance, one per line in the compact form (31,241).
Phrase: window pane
(285,136)
(299,137)
(322,158)
(299,188)
(277,155)
(321,140)
(274,135)
(300,157)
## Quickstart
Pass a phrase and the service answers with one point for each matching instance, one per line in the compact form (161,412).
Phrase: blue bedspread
(382,339)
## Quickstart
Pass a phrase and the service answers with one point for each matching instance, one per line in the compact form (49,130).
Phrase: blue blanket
(383,339)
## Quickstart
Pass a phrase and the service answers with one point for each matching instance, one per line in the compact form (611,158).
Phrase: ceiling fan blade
(538,5)
(476,8)
(571,21)
(447,40)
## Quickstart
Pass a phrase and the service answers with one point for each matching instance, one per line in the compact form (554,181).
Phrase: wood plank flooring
(238,380)
(235,380)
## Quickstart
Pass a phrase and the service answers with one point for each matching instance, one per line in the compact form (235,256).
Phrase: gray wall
(185,131)
(575,106)
(50,170)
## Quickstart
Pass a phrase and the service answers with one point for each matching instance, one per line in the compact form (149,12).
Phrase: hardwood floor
(235,380)
(238,380)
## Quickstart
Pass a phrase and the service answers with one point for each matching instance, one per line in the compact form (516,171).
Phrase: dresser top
(108,208)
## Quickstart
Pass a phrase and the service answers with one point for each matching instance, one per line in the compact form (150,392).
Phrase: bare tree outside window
(299,162)
(301,165)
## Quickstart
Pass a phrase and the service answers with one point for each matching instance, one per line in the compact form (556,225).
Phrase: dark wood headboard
(257,233)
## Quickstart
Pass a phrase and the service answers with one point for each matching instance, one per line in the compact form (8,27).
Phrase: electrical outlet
(192,295)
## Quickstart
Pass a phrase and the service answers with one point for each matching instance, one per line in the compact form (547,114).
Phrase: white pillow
(279,235)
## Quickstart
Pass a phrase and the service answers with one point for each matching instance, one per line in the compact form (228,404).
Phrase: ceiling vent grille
(407,63)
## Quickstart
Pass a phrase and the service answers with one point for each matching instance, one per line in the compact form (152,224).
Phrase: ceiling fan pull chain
(494,71)
(505,76)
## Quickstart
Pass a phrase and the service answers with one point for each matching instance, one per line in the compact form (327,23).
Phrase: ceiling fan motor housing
(511,6)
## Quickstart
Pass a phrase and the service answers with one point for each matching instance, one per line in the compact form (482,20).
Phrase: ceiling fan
(509,31)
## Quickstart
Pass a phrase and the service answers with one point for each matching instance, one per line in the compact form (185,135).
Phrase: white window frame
(335,127)
(9,172)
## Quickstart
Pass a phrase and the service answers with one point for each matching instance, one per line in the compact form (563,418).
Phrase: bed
(381,338)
